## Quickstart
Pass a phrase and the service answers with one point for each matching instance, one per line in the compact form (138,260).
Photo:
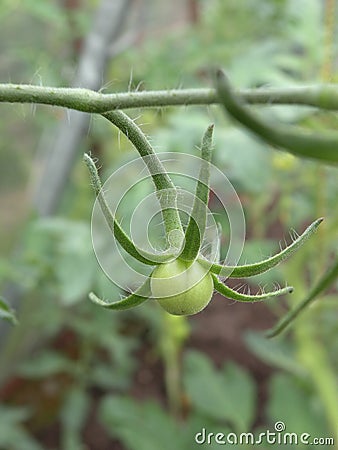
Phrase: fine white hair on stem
(119,139)
(33,109)
(139,84)
(130,82)
(90,125)
(293,234)
(136,118)
(37,75)
(107,85)
(68,112)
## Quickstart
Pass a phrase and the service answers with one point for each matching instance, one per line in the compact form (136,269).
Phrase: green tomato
(182,288)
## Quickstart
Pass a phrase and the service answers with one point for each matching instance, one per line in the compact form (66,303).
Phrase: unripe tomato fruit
(182,288)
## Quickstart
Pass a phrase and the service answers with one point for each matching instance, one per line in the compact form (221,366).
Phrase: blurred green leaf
(251,168)
(182,132)
(73,417)
(143,426)
(45,364)
(147,426)
(13,434)
(297,406)
(46,11)
(75,274)
(6,312)
(101,330)
(224,395)
(107,377)
(274,352)
(59,251)
(74,265)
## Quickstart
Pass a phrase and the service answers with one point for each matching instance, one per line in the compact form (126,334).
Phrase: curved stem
(165,188)
(325,281)
(196,227)
(234,295)
(116,229)
(322,146)
(250,270)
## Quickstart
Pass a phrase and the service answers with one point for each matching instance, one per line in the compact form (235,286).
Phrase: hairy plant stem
(323,96)
(165,189)
(321,146)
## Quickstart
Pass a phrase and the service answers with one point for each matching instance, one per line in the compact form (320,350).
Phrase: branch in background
(64,148)
(122,44)
(321,146)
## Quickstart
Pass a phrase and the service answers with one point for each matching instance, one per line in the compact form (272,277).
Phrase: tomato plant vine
(182,279)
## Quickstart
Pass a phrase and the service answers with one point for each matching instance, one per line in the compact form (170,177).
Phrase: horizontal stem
(323,96)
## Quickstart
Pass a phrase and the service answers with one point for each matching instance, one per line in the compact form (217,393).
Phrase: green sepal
(250,270)
(197,222)
(116,229)
(234,295)
(136,298)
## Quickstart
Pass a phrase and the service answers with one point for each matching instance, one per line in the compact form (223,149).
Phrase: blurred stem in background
(311,350)
(61,155)
(173,335)
(63,149)
(329,22)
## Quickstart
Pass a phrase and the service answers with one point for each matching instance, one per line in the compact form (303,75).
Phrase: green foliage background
(260,43)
